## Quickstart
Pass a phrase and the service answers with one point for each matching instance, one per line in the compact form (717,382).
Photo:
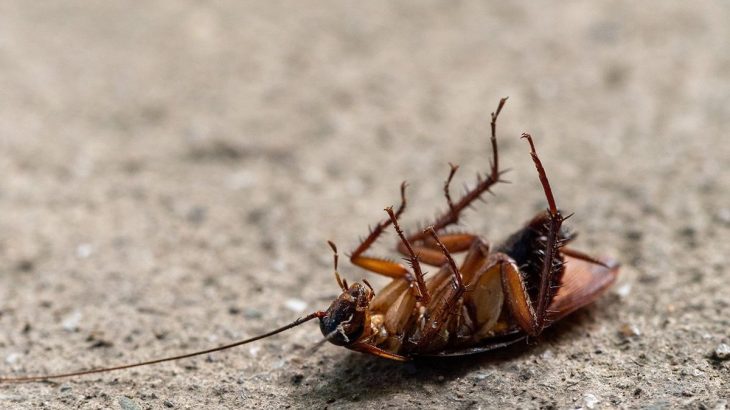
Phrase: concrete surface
(170,172)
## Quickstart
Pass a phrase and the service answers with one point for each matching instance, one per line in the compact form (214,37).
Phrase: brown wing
(583,282)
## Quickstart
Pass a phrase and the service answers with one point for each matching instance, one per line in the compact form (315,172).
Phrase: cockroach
(498,296)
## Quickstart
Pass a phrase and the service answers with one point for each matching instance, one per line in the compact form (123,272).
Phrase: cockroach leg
(532,312)
(342,284)
(583,256)
(422,292)
(376,351)
(379,265)
(429,253)
(543,177)
(451,216)
(516,296)
(456,275)
(551,265)
(452,172)
(440,310)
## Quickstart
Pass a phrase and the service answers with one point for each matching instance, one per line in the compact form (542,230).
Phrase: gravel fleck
(629,331)
(295,305)
(251,313)
(722,352)
(128,404)
(12,358)
(84,250)
(590,400)
(71,322)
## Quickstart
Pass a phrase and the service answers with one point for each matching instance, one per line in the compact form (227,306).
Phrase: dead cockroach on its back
(498,296)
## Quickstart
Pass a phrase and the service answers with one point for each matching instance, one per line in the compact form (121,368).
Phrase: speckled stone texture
(170,172)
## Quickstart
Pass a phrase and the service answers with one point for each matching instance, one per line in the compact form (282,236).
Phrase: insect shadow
(359,378)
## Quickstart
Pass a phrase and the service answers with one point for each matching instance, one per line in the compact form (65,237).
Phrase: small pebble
(295,305)
(12,358)
(127,404)
(547,355)
(254,350)
(590,400)
(71,322)
(624,290)
(251,313)
(722,352)
(481,376)
(629,331)
(84,250)
(168,403)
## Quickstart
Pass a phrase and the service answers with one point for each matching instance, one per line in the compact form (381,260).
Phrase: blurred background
(169,174)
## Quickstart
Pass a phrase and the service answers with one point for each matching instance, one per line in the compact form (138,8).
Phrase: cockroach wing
(583,282)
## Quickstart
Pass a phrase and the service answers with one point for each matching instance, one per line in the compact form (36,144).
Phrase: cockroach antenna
(35,378)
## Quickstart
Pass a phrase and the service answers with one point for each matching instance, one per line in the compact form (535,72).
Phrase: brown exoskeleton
(498,296)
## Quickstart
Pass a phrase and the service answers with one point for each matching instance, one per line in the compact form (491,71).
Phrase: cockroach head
(347,317)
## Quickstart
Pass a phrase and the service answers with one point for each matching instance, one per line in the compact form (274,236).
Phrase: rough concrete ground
(169,174)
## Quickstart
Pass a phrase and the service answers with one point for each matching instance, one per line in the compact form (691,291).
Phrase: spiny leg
(379,265)
(455,274)
(552,264)
(447,192)
(472,263)
(477,251)
(583,256)
(451,216)
(439,310)
(428,252)
(422,295)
